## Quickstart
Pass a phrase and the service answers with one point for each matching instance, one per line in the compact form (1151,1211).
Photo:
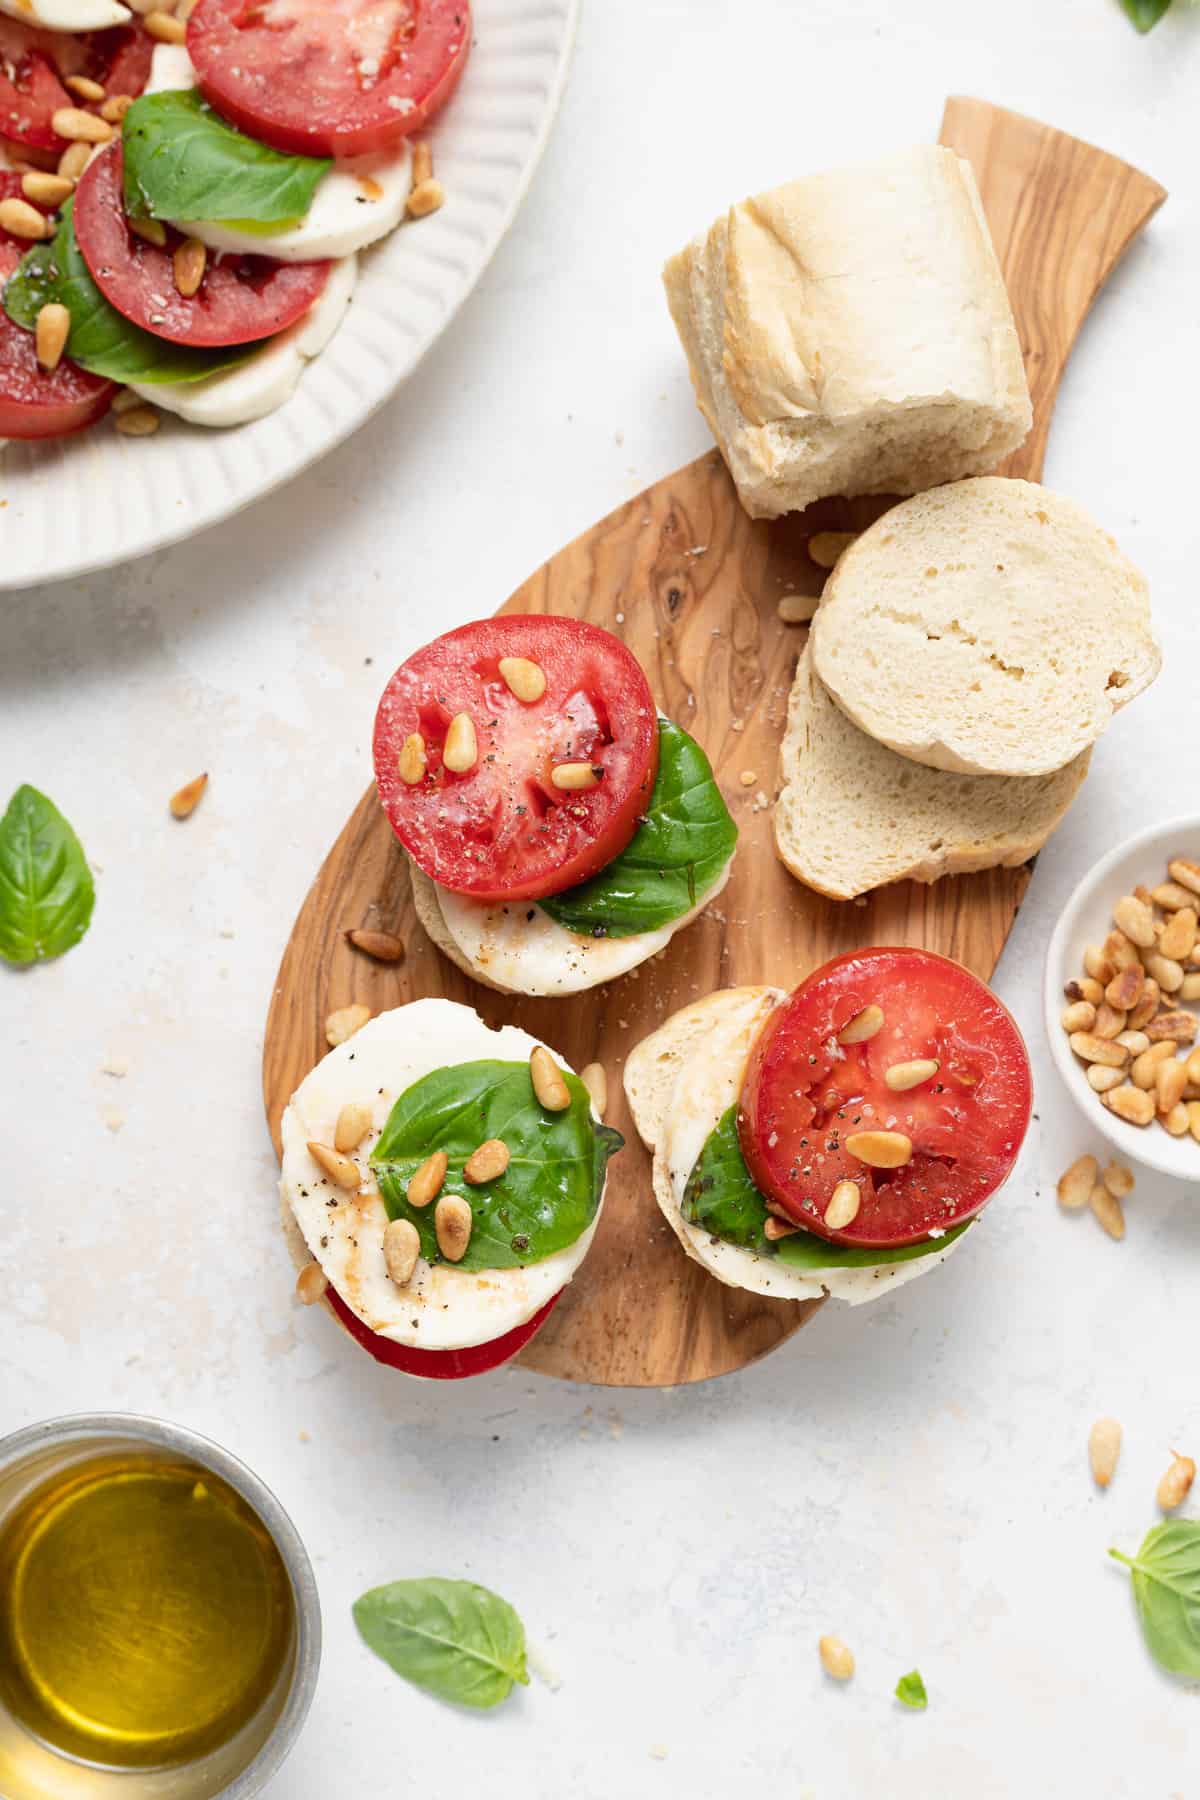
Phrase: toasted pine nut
(1176,1484)
(1120,950)
(1170,1079)
(151,231)
(1098,965)
(575,777)
(1193,1117)
(1101,1079)
(353,1124)
(1189,988)
(412,759)
(797,609)
(595,1080)
(1087,989)
(422,160)
(1134,1041)
(426,198)
(1143,1074)
(164,29)
(525,679)
(1118,1179)
(1133,1104)
(1146,1007)
(382,945)
(880,1149)
(189,263)
(185,800)
(115,108)
(85,87)
(1099,1050)
(1186,873)
(1135,919)
(1193,1068)
(862,1026)
(843,1205)
(425,1183)
(1109,1024)
(824,547)
(47,190)
(1079,1016)
(401,1248)
(1170,896)
(452,1222)
(1125,989)
(1076,1183)
(311,1284)
(774,1229)
(1178,938)
(1166,971)
(1176,1121)
(1104,1450)
(138,421)
(343,1023)
(487,1163)
(1108,1210)
(548,1084)
(460,752)
(74,160)
(902,1076)
(339,1169)
(837,1659)
(79,127)
(1173,1026)
(51,333)
(24,221)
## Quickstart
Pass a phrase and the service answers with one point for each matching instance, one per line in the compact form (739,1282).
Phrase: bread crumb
(658,1752)
(116,1066)
(113,1118)
(748,777)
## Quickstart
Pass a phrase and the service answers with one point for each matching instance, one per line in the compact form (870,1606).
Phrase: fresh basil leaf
(910,1691)
(673,858)
(101,340)
(721,1198)
(453,1638)
(1145,14)
(184,162)
(548,1195)
(1166,1587)
(46,888)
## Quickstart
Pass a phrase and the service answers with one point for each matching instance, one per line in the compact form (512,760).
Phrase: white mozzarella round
(360,200)
(259,385)
(443,1307)
(521,948)
(66,15)
(707,1085)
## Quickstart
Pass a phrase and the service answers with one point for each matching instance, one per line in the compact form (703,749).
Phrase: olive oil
(145,1612)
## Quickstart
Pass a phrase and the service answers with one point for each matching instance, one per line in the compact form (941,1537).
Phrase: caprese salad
(441,1185)
(559,831)
(839,1140)
(184,203)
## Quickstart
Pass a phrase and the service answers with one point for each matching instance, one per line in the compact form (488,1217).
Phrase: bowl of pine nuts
(1122,997)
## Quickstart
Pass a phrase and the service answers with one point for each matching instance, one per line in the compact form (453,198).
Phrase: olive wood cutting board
(693,586)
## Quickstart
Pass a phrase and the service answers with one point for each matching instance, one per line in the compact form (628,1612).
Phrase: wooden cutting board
(693,586)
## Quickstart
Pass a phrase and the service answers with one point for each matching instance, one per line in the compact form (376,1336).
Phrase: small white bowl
(1087,919)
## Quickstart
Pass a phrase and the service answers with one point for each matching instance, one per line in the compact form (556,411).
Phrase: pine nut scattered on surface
(774,1229)
(837,1660)
(124,400)
(548,1084)
(115,108)
(1109,1023)
(401,1249)
(1178,938)
(1135,919)
(425,1183)
(46,189)
(575,777)
(428,197)
(1079,1016)
(165,29)
(862,1026)
(1165,970)
(843,1205)
(1118,1179)
(189,263)
(151,231)
(1125,989)
(51,332)
(880,1149)
(1076,1183)
(21,220)
(1185,873)
(903,1076)
(344,1022)
(1175,1120)
(382,946)
(74,160)
(79,127)
(1108,1210)
(340,1169)
(1098,1050)
(140,421)
(353,1124)
(412,761)
(1132,1104)
(85,87)
(311,1283)
(185,800)
(1101,1079)
(1176,1484)
(797,609)
(452,1222)
(460,752)
(1104,1450)
(824,547)
(523,678)
(487,1163)
(595,1080)
(1170,1079)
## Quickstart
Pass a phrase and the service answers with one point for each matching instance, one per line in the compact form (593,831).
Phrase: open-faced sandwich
(559,831)
(838,1140)
(441,1185)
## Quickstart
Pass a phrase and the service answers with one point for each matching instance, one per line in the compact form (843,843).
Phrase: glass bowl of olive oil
(159,1625)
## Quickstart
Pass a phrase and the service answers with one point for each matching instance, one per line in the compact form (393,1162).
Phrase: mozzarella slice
(443,1307)
(66,15)
(256,387)
(518,947)
(359,201)
(707,1085)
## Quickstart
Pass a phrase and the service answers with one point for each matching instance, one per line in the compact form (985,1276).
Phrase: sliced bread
(989,628)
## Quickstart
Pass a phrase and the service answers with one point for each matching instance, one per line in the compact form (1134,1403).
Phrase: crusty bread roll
(853,815)
(989,628)
(850,333)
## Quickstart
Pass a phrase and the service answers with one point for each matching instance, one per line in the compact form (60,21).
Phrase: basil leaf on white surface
(101,340)
(182,161)
(1166,1588)
(676,854)
(46,888)
(910,1691)
(455,1639)
(1145,14)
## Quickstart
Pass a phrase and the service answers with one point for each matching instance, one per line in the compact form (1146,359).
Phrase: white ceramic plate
(90,501)
(1087,919)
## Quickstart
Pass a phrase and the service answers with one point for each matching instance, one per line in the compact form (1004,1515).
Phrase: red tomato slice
(241,298)
(502,830)
(34,404)
(329,77)
(440,1365)
(34,64)
(804,1095)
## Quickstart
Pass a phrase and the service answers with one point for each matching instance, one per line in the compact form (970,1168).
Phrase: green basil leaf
(1166,1587)
(548,1195)
(184,162)
(101,340)
(673,858)
(910,1691)
(721,1198)
(1145,13)
(453,1638)
(46,888)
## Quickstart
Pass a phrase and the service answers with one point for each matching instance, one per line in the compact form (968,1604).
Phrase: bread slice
(989,627)
(425,903)
(853,815)
(652,1066)
(850,333)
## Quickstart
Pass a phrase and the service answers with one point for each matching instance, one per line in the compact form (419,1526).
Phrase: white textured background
(912,1476)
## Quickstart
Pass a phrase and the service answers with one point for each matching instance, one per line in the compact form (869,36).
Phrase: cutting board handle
(1062,215)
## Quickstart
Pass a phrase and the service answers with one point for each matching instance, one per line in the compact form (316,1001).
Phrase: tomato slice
(805,1095)
(502,830)
(240,299)
(34,404)
(34,65)
(440,1365)
(329,77)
